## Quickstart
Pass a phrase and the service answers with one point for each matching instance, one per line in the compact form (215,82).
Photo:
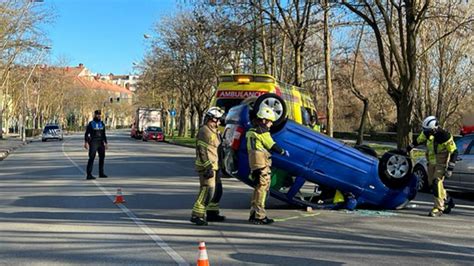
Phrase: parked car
(153,133)
(52,131)
(463,174)
(317,163)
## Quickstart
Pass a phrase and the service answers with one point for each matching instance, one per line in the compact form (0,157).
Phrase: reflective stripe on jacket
(259,143)
(438,146)
(207,143)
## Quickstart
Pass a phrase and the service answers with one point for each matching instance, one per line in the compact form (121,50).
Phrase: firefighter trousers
(262,179)
(435,181)
(210,193)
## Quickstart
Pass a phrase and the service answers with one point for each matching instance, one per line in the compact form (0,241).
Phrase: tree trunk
(327,68)
(363,119)
(193,122)
(282,58)
(1,122)
(403,123)
(182,122)
(298,66)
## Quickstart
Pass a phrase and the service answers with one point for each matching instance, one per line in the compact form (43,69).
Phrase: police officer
(441,153)
(95,141)
(208,140)
(259,146)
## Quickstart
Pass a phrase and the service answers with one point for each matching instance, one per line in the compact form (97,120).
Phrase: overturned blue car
(318,165)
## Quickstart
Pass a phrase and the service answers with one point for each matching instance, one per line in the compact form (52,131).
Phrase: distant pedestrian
(208,140)
(95,140)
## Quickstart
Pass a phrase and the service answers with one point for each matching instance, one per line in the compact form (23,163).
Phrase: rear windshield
(226,104)
(48,128)
(154,129)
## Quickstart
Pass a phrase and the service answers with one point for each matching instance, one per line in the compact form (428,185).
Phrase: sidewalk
(8,144)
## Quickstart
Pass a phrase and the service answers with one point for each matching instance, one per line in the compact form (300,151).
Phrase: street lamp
(23,105)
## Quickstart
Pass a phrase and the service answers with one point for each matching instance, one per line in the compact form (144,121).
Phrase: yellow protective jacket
(317,128)
(439,145)
(259,145)
(207,144)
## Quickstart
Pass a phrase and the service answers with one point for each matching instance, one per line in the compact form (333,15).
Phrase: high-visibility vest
(258,147)
(317,128)
(434,148)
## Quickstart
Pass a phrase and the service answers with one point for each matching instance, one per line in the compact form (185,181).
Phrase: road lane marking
(296,217)
(156,238)
(431,203)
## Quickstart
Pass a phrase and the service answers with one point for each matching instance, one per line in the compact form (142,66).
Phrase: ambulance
(233,89)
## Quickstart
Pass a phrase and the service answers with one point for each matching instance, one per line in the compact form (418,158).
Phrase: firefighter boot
(252,217)
(198,220)
(448,205)
(435,212)
(213,216)
(265,220)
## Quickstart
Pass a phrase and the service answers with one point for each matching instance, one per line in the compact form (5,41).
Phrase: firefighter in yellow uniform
(441,153)
(259,146)
(208,139)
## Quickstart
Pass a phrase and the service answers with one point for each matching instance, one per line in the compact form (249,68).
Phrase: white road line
(162,244)
(431,203)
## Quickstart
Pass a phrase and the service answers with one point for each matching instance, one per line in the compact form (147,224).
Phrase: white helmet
(214,112)
(266,113)
(430,123)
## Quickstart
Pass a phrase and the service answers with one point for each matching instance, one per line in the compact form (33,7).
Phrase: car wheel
(278,106)
(422,178)
(395,169)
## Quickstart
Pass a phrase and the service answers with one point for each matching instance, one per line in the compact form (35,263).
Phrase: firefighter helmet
(266,113)
(214,112)
(430,123)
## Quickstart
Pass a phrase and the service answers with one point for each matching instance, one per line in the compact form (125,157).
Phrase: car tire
(395,169)
(277,104)
(422,178)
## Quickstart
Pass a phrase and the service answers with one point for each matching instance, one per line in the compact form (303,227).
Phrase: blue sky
(105,35)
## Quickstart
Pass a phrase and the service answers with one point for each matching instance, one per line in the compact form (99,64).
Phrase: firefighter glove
(449,170)
(208,173)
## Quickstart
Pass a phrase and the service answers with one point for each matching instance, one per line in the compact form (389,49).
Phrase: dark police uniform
(95,136)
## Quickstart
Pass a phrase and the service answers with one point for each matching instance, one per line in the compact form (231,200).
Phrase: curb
(179,144)
(4,153)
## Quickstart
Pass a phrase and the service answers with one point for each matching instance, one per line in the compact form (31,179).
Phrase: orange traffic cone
(118,197)
(203,260)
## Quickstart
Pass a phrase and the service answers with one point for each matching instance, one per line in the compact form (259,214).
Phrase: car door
(464,169)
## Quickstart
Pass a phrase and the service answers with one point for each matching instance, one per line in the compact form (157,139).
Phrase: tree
(396,27)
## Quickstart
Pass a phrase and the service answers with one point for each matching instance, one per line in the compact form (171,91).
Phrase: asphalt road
(50,215)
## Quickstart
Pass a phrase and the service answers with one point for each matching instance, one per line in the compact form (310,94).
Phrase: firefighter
(259,146)
(95,141)
(208,140)
(441,153)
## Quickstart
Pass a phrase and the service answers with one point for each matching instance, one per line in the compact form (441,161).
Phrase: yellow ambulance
(235,88)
